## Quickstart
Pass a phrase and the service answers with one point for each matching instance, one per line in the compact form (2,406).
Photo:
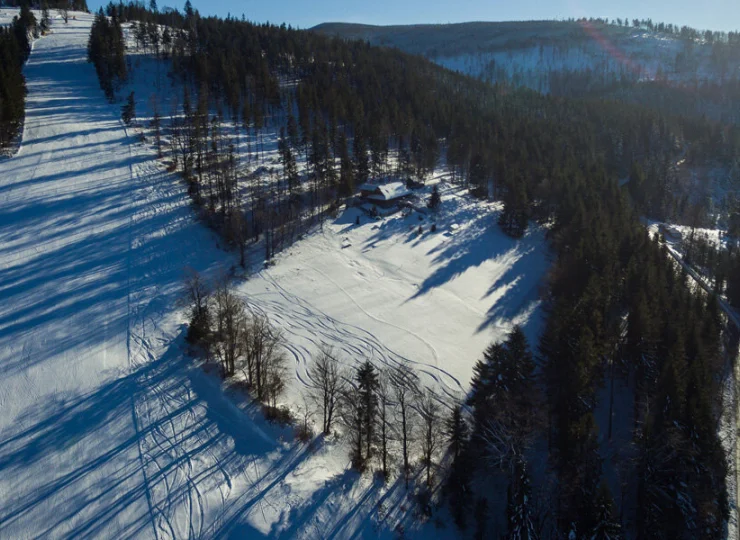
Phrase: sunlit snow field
(381,290)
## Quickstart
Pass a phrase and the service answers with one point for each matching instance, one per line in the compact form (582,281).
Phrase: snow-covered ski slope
(108,430)
(105,430)
(67,210)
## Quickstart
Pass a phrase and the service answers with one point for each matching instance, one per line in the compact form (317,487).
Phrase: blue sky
(714,14)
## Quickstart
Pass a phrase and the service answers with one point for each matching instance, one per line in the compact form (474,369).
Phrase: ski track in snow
(300,319)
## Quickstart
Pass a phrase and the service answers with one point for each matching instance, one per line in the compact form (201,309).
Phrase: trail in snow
(383,292)
(68,450)
(304,322)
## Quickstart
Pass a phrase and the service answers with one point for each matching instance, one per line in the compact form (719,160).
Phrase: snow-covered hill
(107,428)
(531,49)
(576,58)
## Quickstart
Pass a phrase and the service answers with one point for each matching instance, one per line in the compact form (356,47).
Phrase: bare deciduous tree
(156,123)
(304,431)
(196,290)
(505,445)
(275,369)
(230,328)
(385,409)
(405,387)
(327,384)
(63,12)
(265,363)
(429,411)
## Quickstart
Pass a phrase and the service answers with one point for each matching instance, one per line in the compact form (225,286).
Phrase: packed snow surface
(108,429)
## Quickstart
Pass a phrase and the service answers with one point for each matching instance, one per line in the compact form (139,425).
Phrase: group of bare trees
(384,414)
(222,327)
(238,200)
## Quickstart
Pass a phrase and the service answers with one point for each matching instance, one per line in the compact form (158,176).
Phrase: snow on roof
(387,192)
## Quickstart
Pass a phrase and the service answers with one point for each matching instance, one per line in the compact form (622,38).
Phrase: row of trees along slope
(616,306)
(105,49)
(386,413)
(15,46)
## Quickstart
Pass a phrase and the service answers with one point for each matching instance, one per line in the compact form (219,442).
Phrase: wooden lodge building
(384,195)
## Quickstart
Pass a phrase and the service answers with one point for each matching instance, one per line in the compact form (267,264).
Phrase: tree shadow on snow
(156,456)
(524,262)
(346,506)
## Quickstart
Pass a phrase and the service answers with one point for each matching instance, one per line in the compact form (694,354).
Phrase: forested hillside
(673,69)
(617,306)
(15,46)
(677,71)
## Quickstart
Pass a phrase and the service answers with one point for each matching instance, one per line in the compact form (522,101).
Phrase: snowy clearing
(381,290)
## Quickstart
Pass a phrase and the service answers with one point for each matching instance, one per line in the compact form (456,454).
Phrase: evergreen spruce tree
(27,19)
(513,217)
(346,169)
(519,509)
(435,200)
(607,527)
(290,168)
(128,111)
(457,488)
(457,431)
(367,387)
(359,152)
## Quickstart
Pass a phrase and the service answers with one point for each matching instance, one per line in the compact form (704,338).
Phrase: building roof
(386,192)
(367,186)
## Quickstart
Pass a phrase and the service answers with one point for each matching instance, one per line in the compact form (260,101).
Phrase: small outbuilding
(384,195)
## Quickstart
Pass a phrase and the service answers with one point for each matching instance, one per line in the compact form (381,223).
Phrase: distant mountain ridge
(445,39)
(680,73)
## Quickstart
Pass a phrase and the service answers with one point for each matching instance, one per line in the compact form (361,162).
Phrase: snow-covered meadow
(382,290)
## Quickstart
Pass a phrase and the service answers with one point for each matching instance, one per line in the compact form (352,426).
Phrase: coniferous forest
(15,46)
(617,307)
(105,50)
